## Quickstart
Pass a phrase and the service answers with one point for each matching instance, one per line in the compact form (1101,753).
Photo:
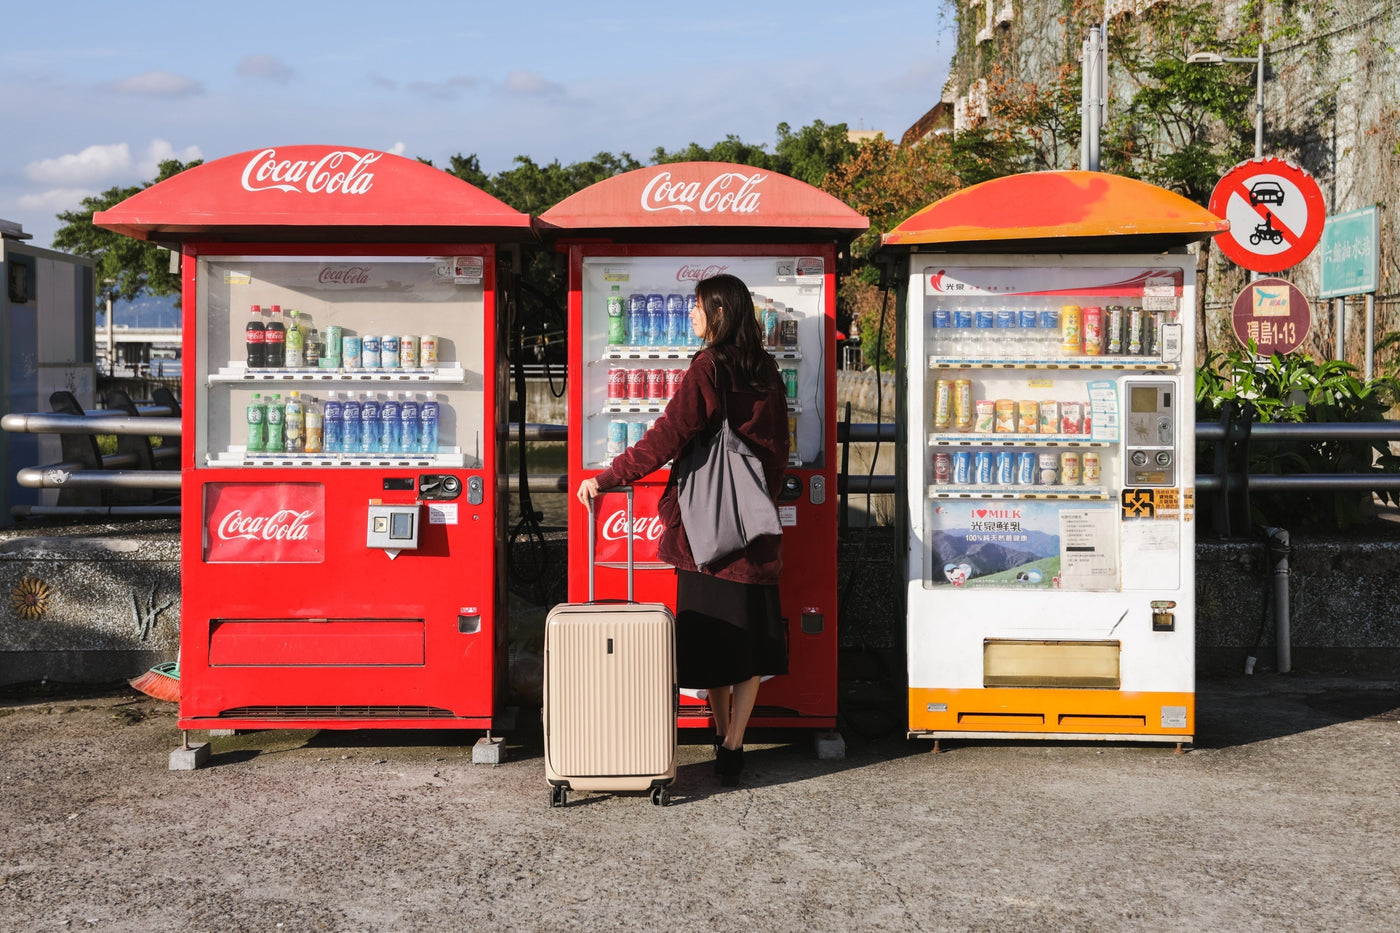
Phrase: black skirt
(727,632)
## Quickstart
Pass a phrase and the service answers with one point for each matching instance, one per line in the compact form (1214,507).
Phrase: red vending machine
(345,405)
(636,244)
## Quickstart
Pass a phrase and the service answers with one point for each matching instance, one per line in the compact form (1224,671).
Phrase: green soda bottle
(617,317)
(275,421)
(257,424)
(296,341)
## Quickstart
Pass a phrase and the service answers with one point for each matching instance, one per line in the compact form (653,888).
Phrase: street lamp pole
(111,337)
(1259,105)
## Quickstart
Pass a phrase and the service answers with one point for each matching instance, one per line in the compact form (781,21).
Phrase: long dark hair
(735,338)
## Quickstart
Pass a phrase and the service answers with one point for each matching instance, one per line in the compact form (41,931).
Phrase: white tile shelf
(1016,440)
(454,375)
(239,457)
(952,491)
(1137,364)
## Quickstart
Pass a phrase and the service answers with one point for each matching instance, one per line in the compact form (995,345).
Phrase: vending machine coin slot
(816,489)
(476,491)
(1149,433)
(433,486)
(791,489)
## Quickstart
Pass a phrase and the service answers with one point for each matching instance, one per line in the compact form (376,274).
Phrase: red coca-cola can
(673,381)
(617,384)
(656,385)
(636,385)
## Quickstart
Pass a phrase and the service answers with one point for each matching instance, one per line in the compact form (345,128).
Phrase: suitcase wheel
(660,796)
(558,796)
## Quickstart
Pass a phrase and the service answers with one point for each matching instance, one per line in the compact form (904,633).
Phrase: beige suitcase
(610,691)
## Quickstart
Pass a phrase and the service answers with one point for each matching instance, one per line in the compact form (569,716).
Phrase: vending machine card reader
(393,527)
(1149,439)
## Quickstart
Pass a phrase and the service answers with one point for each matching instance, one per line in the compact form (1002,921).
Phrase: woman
(729,630)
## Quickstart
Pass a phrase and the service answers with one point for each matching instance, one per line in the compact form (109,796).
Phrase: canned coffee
(942,467)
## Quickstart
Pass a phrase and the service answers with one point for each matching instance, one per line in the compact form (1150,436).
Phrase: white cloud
(160,151)
(91,166)
(397,148)
(264,66)
(451,89)
(531,84)
(55,200)
(158,84)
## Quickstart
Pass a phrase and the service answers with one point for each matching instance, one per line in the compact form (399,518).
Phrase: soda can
(942,468)
(389,351)
(351,349)
(1025,468)
(1113,329)
(983,467)
(675,320)
(408,351)
(962,404)
(1069,468)
(1133,341)
(1071,331)
(673,381)
(617,384)
(942,405)
(369,351)
(635,430)
(1093,331)
(335,335)
(1006,468)
(1071,417)
(1049,417)
(1005,422)
(986,416)
(790,381)
(428,351)
(1027,416)
(656,321)
(637,319)
(617,438)
(962,467)
(1154,324)
(637,385)
(656,385)
(1090,462)
(1049,468)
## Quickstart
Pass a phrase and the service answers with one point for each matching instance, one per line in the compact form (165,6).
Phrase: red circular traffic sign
(1274,314)
(1275,211)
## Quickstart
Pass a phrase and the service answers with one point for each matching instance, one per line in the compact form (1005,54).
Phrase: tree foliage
(136,266)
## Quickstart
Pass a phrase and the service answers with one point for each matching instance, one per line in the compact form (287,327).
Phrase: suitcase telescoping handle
(593,540)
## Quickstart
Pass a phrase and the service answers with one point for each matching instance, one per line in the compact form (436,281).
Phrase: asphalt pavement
(1284,816)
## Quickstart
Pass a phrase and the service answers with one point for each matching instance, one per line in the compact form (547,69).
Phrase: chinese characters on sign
(1274,314)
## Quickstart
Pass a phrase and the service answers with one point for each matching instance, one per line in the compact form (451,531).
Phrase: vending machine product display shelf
(623,353)
(1085,362)
(238,457)
(237,373)
(657,407)
(1017,492)
(1017,440)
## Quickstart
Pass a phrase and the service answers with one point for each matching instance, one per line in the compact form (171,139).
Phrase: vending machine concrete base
(1047,440)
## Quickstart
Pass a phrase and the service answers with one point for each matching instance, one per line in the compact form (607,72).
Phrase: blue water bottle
(350,424)
(369,424)
(389,424)
(334,429)
(428,426)
(408,424)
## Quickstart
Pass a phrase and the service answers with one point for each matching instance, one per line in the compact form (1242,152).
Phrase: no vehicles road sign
(1275,211)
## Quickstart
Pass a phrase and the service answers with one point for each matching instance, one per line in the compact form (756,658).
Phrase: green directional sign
(1350,252)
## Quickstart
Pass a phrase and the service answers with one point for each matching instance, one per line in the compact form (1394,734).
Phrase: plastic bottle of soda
(315,426)
(294,424)
(428,425)
(617,317)
(256,339)
(276,337)
(369,424)
(275,424)
(770,324)
(408,424)
(257,424)
(334,426)
(296,342)
(350,424)
(389,424)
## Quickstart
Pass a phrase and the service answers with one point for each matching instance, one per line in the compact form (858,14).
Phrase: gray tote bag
(722,492)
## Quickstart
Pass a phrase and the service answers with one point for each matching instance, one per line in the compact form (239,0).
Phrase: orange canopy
(1064,206)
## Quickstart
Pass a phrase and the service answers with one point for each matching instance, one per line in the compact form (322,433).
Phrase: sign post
(1350,265)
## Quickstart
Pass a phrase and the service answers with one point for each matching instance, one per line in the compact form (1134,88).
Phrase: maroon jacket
(694,412)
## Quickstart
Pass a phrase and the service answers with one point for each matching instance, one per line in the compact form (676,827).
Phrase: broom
(161,681)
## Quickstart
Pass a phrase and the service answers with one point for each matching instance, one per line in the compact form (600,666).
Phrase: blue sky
(98,92)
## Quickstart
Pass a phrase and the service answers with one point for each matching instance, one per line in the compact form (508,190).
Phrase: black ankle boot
(719,747)
(729,764)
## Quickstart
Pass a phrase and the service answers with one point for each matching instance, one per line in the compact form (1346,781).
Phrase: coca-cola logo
(344,275)
(696,273)
(283,525)
(731,192)
(338,171)
(644,527)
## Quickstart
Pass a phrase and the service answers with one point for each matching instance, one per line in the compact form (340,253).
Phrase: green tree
(813,152)
(137,266)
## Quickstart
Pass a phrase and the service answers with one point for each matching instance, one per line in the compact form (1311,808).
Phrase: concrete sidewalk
(1284,817)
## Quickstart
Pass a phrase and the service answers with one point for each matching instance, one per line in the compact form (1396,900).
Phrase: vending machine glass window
(336,360)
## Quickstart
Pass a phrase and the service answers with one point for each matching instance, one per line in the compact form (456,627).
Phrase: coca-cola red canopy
(311,193)
(703,201)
